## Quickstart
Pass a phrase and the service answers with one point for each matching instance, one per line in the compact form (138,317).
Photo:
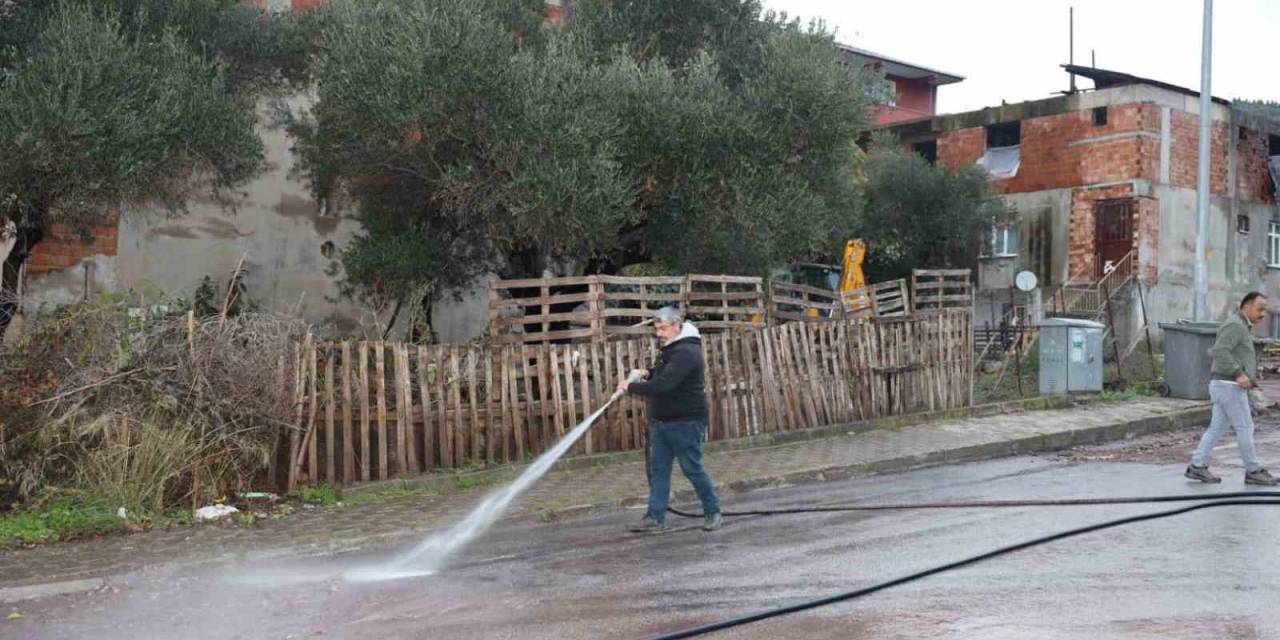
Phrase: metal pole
(1017,336)
(1201,305)
(1146,328)
(1115,335)
(1071,46)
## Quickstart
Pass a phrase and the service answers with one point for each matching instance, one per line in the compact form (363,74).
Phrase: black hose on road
(1218,500)
(989,504)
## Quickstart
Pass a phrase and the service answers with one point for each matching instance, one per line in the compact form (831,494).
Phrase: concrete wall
(291,256)
(1237,261)
(463,315)
(1043,227)
(275,224)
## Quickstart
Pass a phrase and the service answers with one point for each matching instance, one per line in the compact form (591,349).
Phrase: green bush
(62,518)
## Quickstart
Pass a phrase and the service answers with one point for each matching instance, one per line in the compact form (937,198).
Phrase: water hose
(1213,501)
(1237,498)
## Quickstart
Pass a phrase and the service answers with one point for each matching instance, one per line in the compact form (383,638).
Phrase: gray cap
(665,315)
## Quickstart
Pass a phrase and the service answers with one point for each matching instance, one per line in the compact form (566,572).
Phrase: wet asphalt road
(1210,574)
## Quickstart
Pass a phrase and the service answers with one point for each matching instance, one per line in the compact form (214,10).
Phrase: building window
(893,93)
(1273,244)
(927,150)
(1003,155)
(1273,145)
(1242,224)
(1099,116)
(1005,134)
(1004,241)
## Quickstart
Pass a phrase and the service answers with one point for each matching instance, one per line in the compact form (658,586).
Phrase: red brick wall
(1080,243)
(1147,237)
(63,247)
(1253,182)
(1185,148)
(960,147)
(1051,161)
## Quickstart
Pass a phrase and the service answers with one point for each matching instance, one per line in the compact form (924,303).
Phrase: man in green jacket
(1235,372)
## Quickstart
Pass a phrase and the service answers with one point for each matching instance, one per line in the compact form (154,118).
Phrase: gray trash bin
(1070,355)
(1188,358)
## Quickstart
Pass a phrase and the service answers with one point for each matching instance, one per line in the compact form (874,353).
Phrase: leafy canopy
(718,142)
(104,104)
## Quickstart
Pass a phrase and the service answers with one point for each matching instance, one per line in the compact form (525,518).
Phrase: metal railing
(1078,297)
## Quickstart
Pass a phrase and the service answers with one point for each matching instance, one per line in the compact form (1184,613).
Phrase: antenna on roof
(1093,58)
(1071,46)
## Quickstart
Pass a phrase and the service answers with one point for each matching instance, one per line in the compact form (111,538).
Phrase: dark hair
(1250,297)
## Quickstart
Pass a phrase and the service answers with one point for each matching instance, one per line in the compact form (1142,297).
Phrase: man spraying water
(677,419)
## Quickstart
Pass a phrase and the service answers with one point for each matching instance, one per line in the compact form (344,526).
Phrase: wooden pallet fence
(942,289)
(890,299)
(626,302)
(858,303)
(580,309)
(793,302)
(375,410)
(718,303)
(542,310)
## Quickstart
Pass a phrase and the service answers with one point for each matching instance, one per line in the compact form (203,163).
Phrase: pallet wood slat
(457,426)
(300,378)
(380,368)
(348,426)
(330,449)
(444,443)
(399,456)
(772,379)
(313,454)
(424,392)
(406,385)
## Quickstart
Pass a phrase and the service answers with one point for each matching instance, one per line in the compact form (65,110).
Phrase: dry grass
(135,404)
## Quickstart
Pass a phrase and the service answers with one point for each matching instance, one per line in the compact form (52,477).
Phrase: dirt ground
(1174,446)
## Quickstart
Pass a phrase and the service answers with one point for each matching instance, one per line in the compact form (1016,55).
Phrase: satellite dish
(1026,281)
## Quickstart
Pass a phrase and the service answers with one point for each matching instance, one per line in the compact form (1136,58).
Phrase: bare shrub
(144,406)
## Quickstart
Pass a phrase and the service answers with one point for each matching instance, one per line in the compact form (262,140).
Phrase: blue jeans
(1230,411)
(680,441)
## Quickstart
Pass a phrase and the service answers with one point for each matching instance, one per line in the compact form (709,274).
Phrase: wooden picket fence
(374,410)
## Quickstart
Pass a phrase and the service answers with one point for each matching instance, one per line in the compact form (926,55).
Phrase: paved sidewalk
(82,566)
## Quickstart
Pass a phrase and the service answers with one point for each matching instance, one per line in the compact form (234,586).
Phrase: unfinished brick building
(1106,179)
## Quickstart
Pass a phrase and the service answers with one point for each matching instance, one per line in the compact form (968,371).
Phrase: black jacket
(675,388)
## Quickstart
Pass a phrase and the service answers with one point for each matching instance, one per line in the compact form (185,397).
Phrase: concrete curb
(448,481)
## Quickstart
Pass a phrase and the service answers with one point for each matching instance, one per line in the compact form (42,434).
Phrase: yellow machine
(846,279)
(852,280)
(851,277)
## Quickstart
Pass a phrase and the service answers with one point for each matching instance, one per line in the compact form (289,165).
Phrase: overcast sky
(1010,49)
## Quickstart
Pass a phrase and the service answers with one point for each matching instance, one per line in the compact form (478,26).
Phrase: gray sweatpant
(1230,410)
